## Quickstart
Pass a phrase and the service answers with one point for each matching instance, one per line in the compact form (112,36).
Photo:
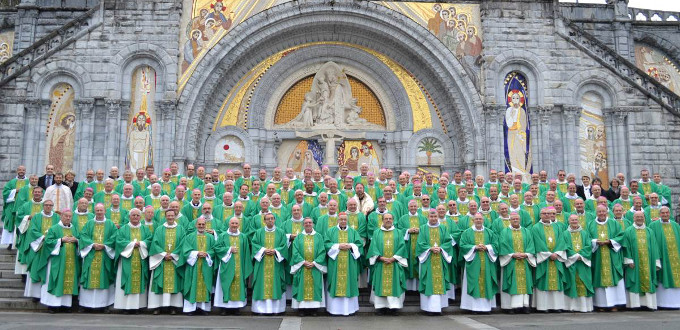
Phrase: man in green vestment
(39,226)
(133,240)
(270,250)
(24,215)
(105,195)
(517,258)
(550,258)
(410,224)
(198,249)
(606,238)
(308,265)
(667,233)
(343,245)
(387,257)
(662,190)
(641,260)
(480,285)
(10,194)
(98,250)
(235,266)
(166,275)
(115,213)
(578,287)
(61,262)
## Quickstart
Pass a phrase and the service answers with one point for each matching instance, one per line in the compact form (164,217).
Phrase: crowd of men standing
(201,239)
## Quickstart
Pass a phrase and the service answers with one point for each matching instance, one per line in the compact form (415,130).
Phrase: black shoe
(380,311)
(156,312)
(51,310)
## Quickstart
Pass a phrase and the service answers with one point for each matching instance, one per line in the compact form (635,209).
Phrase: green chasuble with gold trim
(64,266)
(388,280)
(479,265)
(39,226)
(134,278)
(640,248)
(607,260)
(579,276)
(198,272)
(269,270)
(30,208)
(550,274)
(406,222)
(234,272)
(434,276)
(308,282)
(167,274)
(98,267)
(517,273)
(343,265)
(668,239)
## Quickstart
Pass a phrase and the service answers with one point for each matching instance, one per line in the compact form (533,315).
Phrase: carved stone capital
(572,112)
(112,106)
(32,108)
(492,111)
(167,109)
(84,107)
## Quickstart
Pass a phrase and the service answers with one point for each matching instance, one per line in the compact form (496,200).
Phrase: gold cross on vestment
(603,235)
(578,247)
(550,239)
(388,243)
(310,248)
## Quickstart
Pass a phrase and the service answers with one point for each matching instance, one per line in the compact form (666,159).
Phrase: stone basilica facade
(511,85)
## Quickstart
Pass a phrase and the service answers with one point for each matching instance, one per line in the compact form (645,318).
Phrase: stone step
(7,258)
(20,304)
(9,274)
(6,266)
(11,293)
(4,251)
(9,283)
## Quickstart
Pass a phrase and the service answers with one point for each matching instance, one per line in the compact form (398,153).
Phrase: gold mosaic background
(291,103)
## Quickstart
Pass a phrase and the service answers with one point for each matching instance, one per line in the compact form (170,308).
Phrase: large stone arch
(365,24)
(670,48)
(524,62)
(59,71)
(599,81)
(132,56)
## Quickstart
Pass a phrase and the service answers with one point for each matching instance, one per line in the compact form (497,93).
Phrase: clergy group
(200,240)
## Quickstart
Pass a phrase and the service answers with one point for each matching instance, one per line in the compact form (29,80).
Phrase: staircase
(11,286)
(619,65)
(51,43)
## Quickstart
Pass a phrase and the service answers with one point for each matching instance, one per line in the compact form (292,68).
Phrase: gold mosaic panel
(291,102)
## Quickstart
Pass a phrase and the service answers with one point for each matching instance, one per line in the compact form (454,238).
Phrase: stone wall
(518,35)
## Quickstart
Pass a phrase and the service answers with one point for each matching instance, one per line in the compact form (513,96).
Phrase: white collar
(97,220)
(433,226)
(166,225)
(238,232)
(474,228)
(133,226)
(346,227)
(297,220)
(61,224)
(310,234)
(640,227)
(383,228)
(46,215)
(270,230)
(601,223)
(575,230)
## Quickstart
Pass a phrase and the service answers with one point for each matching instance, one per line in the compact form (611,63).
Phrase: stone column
(41,138)
(535,136)
(112,132)
(572,117)
(122,133)
(493,137)
(167,110)
(84,135)
(621,144)
(611,139)
(29,155)
(545,116)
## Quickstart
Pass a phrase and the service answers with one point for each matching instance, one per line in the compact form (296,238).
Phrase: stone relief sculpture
(329,103)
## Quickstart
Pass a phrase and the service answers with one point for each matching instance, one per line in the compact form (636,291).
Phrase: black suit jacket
(41,181)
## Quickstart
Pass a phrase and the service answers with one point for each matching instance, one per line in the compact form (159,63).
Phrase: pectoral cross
(435,244)
(550,239)
(169,247)
(578,247)
(603,235)
(389,243)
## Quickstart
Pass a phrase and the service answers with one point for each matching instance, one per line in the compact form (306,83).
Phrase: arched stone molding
(523,61)
(599,81)
(250,151)
(364,23)
(357,63)
(46,77)
(129,58)
(668,47)
(450,154)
